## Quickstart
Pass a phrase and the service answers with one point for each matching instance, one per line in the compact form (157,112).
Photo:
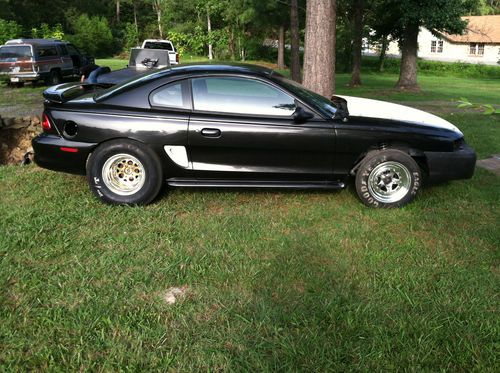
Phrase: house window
(476,49)
(437,46)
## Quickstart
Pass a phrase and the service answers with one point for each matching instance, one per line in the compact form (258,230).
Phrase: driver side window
(239,95)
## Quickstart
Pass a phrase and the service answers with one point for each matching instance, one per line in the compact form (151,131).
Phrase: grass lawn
(287,281)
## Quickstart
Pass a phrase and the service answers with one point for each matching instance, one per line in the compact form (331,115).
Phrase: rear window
(14,52)
(158,45)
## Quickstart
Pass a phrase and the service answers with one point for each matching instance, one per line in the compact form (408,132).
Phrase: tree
(357,43)
(295,40)
(319,56)
(158,8)
(435,15)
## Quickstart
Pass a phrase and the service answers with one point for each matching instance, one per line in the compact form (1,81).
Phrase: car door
(243,127)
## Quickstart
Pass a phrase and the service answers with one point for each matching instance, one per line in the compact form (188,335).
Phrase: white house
(480,43)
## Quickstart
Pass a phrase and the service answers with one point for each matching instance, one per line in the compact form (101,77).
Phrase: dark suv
(23,60)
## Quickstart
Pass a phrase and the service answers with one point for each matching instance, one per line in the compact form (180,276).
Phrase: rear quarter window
(47,52)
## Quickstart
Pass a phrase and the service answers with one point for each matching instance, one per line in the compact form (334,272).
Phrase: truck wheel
(389,178)
(124,172)
(54,78)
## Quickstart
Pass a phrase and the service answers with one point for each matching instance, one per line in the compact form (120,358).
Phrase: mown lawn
(287,281)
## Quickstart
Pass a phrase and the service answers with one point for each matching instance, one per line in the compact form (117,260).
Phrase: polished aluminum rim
(123,174)
(389,182)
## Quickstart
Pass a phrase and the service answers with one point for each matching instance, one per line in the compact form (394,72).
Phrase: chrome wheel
(389,182)
(123,174)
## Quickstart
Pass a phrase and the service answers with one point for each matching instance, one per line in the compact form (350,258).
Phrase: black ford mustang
(242,126)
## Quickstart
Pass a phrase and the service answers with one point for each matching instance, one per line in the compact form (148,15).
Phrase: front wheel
(389,178)
(125,173)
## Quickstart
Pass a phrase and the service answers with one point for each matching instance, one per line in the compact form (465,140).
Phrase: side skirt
(219,183)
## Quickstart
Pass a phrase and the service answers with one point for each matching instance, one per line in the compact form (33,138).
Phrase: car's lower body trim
(221,183)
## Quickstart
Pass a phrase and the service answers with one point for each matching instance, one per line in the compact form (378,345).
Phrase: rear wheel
(389,178)
(124,172)
(54,78)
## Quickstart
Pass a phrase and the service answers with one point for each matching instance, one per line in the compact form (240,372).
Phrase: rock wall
(15,138)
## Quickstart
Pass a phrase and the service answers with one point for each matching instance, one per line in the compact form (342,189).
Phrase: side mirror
(342,110)
(301,116)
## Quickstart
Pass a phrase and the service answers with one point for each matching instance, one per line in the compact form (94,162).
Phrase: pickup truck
(165,45)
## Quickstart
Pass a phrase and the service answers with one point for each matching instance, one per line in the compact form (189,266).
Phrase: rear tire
(54,78)
(124,172)
(388,178)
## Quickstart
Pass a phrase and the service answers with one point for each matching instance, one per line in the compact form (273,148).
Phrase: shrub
(93,35)
(9,30)
(46,32)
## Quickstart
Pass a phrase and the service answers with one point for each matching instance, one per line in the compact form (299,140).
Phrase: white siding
(455,52)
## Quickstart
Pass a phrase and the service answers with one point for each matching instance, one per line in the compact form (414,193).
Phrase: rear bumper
(21,77)
(444,166)
(58,154)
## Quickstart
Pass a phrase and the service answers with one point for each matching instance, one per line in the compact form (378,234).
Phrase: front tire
(54,78)
(388,178)
(124,172)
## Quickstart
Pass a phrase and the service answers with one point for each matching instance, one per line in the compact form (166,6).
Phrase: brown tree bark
(409,50)
(281,48)
(383,52)
(319,56)
(357,43)
(295,40)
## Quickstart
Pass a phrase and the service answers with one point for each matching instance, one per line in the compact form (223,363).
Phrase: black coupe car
(242,126)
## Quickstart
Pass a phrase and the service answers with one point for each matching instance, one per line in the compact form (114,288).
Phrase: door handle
(210,132)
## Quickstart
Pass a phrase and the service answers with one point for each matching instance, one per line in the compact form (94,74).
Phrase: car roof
(222,68)
(187,69)
(37,42)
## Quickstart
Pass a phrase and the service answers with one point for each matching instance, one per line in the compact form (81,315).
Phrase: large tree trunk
(409,49)
(383,53)
(295,40)
(357,43)
(319,56)
(281,48)
(209,29)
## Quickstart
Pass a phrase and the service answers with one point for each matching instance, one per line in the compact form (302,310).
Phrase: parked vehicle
(243,126)
(165,45)
(23,60)
(140,60)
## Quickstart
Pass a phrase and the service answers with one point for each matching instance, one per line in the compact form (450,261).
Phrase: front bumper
(58,154)
(444,166)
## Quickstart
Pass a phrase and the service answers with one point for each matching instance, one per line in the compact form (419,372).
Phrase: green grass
(286,281)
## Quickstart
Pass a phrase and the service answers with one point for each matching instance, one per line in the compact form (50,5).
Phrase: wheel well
(416,154)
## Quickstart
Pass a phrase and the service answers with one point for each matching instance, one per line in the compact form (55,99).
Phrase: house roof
(481,29)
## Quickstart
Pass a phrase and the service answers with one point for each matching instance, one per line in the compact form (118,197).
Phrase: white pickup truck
(165,45)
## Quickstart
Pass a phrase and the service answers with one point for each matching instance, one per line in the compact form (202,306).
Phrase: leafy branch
(487,109)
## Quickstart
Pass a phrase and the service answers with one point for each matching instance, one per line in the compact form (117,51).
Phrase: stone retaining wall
(15,138)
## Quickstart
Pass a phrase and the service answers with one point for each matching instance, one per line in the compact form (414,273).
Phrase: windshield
(321,103)
(14,52)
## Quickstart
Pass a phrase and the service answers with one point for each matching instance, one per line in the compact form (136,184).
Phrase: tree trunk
(209,29)
(295,40)
(319,56)
(383,52)
(409,49)
(357,43)
(232,44)
(135,20)
(118,11)
(281,48)
(157,9)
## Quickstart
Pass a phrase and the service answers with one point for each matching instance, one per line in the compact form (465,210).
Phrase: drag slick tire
(388,178)
(124,172)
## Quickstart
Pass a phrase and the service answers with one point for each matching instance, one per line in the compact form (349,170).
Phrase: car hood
(363,107)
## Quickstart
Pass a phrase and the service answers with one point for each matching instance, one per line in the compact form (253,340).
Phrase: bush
(9,30)
(131,37)
(46,32)
(93,35)
(437,68)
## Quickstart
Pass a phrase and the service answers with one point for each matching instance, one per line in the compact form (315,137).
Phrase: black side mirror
(342,110)
(301,116)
